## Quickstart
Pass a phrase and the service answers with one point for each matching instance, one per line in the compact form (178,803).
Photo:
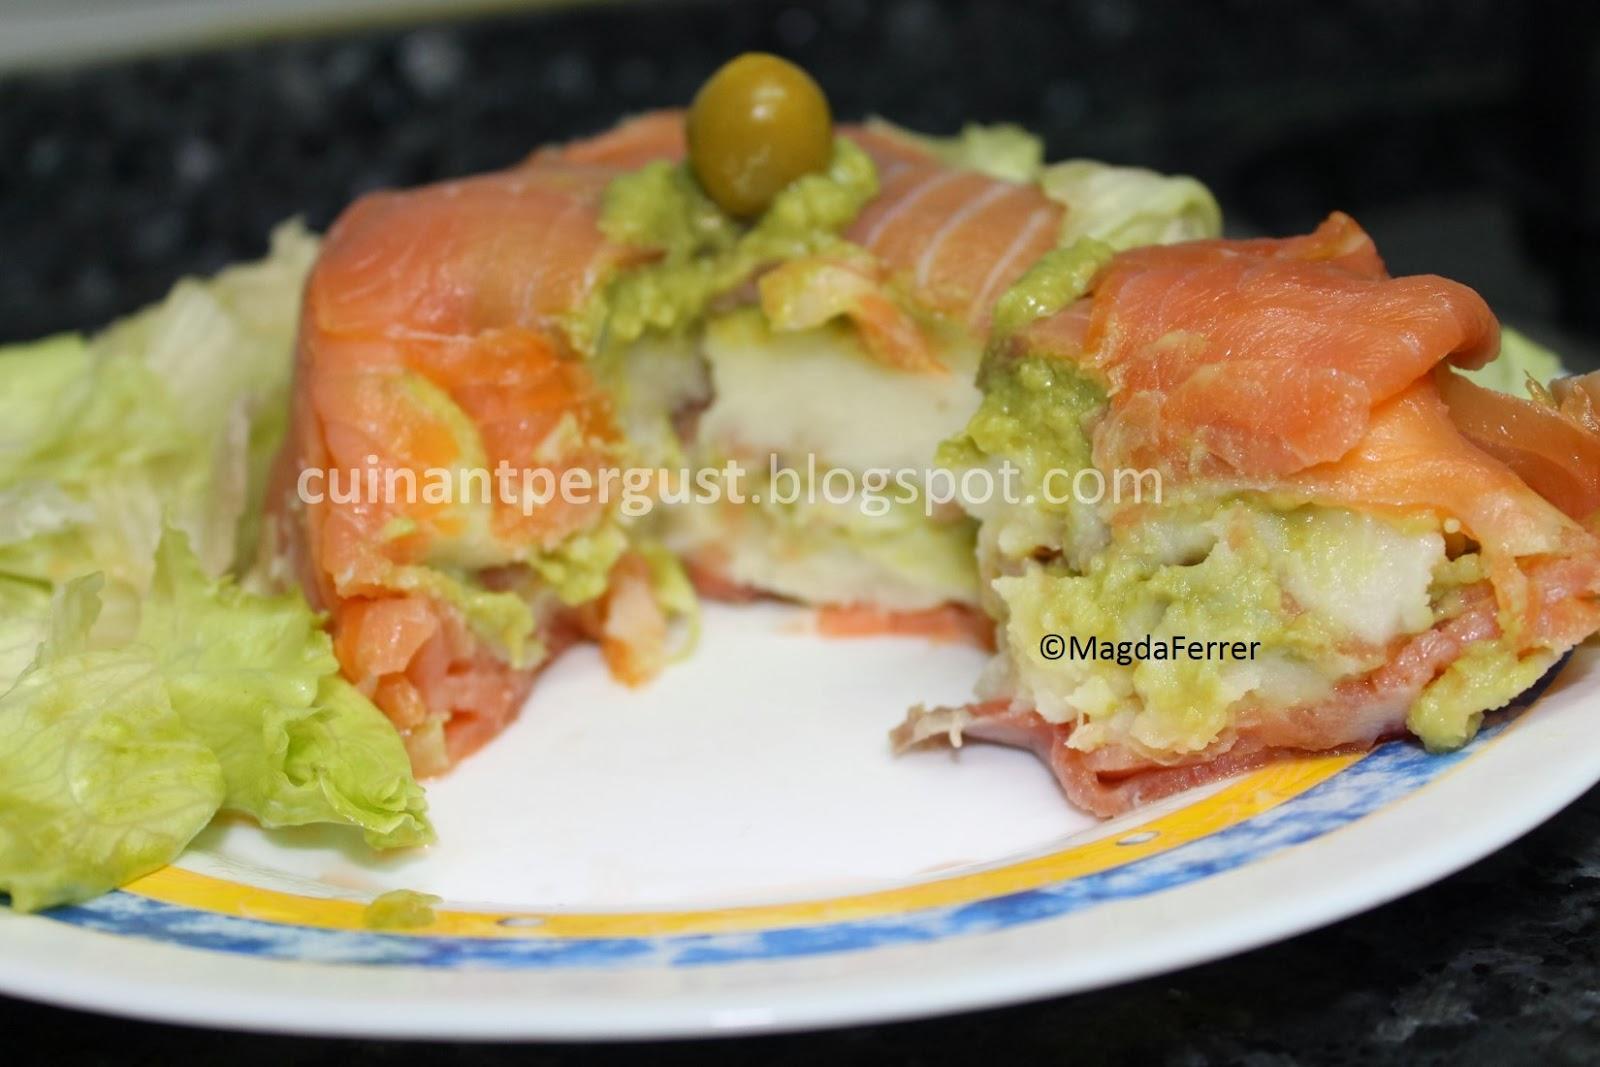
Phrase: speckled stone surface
(116,181)
(113,181)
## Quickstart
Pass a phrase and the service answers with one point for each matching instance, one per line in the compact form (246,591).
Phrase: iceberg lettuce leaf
(100,781)
(1519,360)
(1129,206)
(153,690)
(345,762)
(24,624)
(170,415)
(255,677)
(1002,150)
(1121,206)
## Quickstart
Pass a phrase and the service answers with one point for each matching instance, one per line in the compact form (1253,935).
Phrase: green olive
(759,123)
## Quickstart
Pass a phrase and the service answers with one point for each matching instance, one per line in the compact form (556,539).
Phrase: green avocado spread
(1322,591)
(1036,413)
(400,909)
(1059,277)
(704,251)
(1487,676)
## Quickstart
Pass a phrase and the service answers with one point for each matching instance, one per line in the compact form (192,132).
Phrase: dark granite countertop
(115,181)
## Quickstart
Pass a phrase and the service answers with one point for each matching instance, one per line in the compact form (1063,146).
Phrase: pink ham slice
(1361,713)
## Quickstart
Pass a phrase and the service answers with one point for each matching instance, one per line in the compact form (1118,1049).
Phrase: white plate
(734,849)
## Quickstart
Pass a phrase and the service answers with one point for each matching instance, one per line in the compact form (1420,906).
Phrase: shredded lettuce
(400,909)
(1002,150)
(113,758)
(1520,360)
(1129,206)
(100,780)
(1122,206)
(142,690)
(170,415)
(24,623)
(255,677)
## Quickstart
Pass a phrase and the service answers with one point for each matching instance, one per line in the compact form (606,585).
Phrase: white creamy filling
(1365,576)
(651,381)
(1347,582)
(819,392)
(817,561)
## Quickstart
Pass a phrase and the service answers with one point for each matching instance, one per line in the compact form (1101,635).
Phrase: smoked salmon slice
(1260,358)
(1360,714)
(445,328)
(1290,374)
(955,239)
(629,144)
(1553,446)
(435,336)
(947,624)
(451,328)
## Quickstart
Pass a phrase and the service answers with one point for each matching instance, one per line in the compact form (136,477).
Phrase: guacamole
(706,252)
(1323,591)
(1488,675)
(400,909)
(1058,278)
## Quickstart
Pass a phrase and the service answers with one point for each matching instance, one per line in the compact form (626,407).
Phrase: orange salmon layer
(1362,711)
(466,292)
(443,328)
(1299,368)
(1554,446)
